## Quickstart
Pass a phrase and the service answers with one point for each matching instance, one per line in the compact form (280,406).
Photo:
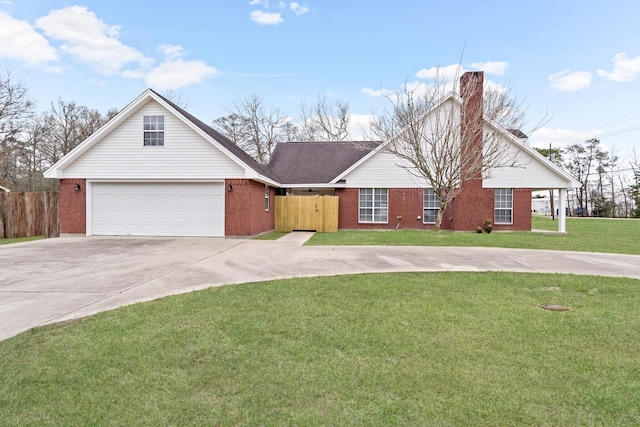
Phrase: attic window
(153,130)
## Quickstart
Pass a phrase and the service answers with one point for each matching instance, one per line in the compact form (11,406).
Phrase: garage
(157,209)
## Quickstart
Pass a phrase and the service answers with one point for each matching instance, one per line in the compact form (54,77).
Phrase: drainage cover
(554,307)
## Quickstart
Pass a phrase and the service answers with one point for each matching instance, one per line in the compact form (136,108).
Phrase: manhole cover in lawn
(554,307)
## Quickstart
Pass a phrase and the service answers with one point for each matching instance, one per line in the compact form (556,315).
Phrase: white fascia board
(252,174)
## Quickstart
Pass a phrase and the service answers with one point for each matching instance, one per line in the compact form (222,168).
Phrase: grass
(583,234)
(391,349)
(9,241)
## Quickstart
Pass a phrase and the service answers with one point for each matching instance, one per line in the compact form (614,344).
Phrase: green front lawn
(19,239)
(583,234)
(390,349)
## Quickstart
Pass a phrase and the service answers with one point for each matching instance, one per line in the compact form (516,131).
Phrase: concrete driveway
(58,279)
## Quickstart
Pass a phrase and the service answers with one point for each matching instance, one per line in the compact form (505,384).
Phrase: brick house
(156,170)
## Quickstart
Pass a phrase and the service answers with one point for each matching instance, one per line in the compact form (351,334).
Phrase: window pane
(153,127)
(366,215)
(373,205)
(503,206)
(430,215)
(380,215)
(431,206)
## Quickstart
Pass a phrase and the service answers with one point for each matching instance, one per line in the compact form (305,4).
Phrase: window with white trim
(373,205)
(266,198)
(503,206)
(153,130)
(431,206)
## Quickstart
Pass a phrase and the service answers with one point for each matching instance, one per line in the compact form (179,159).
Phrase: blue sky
(576,61)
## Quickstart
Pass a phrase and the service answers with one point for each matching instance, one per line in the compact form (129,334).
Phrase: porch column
(562,207)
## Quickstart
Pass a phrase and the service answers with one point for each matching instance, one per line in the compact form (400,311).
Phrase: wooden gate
(309,213)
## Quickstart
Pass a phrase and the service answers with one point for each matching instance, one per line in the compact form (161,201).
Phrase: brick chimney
(473,204)
(471,87)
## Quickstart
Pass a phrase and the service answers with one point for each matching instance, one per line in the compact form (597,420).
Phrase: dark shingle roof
(315,162)
(518,133)
(222,140)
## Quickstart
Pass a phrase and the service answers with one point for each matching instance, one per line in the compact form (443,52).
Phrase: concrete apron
(54,280)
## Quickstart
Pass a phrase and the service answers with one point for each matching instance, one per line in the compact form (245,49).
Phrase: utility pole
(553,209)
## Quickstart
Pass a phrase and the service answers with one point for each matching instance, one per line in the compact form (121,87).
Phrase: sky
(574,63)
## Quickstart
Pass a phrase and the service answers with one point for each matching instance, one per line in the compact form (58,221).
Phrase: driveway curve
(53,280)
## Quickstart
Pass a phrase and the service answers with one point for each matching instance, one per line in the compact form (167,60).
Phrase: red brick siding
(469,210)
(245,213)
(472,206)
(404,202)
(73,206)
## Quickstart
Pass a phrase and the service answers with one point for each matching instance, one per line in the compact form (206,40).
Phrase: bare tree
(68,124)
(323,121)
(177,98)
(449,145)
(254,129)
(581,161)
(15,111)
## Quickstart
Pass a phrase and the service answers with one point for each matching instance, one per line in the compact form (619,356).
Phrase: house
(156,170)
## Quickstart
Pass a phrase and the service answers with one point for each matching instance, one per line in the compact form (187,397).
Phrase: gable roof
(218,137)
(315,162)
(234,152)
(512,137)
(292,163)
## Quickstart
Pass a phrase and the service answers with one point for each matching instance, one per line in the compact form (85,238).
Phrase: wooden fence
(29,214)
(312,213)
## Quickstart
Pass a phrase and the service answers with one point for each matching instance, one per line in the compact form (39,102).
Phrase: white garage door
(157,209)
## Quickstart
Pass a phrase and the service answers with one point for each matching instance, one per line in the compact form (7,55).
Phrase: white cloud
(380,93)
(446,73)
(22,42)
(178,73)
(263,3)
(497,68)
(298,9)
(171,51)
(359,127)
(625,69)
(88,39)
(493,86)
(567,81)
(266,18)
(174,72)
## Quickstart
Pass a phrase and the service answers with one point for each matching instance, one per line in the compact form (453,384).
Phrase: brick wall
(73,206)
(469,210)
(245,213)
(472,206)
(403,202)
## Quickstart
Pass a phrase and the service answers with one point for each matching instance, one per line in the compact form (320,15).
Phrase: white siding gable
(383,170)
(530,172)
(185,154)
